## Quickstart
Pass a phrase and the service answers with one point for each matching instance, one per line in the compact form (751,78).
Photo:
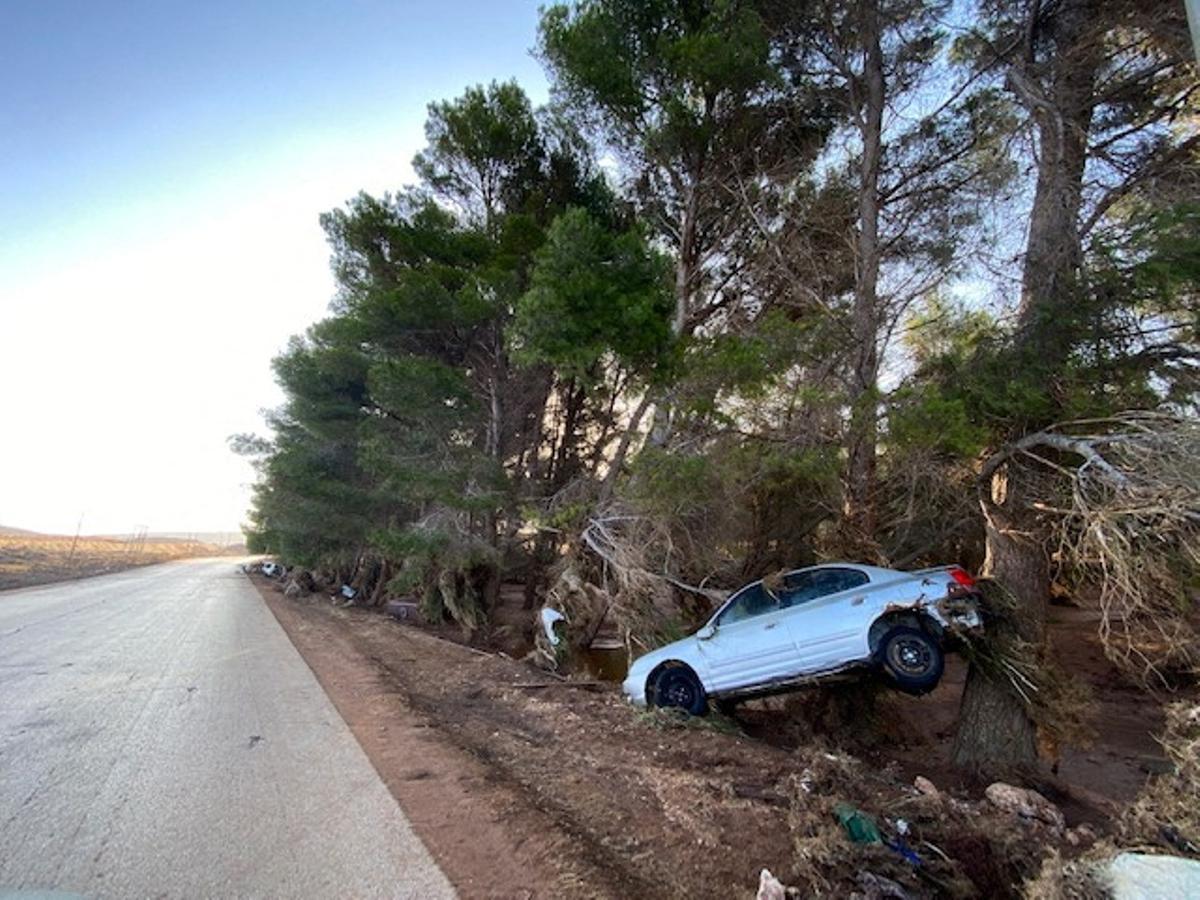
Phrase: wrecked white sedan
(785,632)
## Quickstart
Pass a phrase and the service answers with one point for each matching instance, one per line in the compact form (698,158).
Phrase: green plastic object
(860,827)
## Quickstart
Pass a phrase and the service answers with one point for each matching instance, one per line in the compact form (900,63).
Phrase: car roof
(875,573)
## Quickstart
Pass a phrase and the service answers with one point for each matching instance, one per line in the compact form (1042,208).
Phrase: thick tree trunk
(687,278)
(1062,111)
(859,493)
(565,461)
(995,731)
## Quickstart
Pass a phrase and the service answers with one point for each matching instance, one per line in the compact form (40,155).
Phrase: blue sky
(162,166)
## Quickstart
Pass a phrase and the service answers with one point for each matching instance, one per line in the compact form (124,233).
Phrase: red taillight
(962,577)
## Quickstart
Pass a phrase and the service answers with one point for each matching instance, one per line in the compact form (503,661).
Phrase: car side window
(752,601)
(801,587)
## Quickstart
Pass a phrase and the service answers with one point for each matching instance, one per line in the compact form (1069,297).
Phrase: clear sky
(162,167)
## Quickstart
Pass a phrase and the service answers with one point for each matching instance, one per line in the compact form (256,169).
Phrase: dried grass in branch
(1168,810)
(1122,496)
(620,573)
(1059,702)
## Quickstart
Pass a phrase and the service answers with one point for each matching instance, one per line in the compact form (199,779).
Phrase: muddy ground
(525,786)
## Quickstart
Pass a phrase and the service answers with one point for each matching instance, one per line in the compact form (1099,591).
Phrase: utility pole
(75,542)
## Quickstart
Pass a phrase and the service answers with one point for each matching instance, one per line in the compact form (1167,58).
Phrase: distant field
(28,559)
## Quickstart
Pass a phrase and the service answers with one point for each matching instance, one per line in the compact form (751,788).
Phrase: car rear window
(814,583)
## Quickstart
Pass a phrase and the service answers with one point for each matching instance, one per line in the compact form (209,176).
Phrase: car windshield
(751,601)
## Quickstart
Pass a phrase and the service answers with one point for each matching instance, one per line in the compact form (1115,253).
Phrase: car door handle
(857,601)
(769,626)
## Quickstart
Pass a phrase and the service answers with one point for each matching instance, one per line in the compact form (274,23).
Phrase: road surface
(160,736)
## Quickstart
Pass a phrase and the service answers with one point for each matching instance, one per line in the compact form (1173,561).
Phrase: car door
(828,626)
(751,643)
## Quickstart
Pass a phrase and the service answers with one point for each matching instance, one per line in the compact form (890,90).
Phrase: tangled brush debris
(1122,499)
(1167,814)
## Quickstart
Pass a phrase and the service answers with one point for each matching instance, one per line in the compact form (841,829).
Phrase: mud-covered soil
(916,734)
(524,786)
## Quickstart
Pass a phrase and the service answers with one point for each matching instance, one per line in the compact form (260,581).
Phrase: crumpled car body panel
(773,637)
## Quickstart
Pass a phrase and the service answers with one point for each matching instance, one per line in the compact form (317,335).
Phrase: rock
(1025,803)
(1156,765)
(292,590)
(1081,836)
(404,610)
(1138,876)
(876,887)
(770,887)
(926,787)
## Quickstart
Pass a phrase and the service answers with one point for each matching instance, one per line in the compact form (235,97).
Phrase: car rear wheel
(911,660)
(679,688)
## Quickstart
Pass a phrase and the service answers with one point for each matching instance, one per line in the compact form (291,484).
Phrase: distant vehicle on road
(812,624)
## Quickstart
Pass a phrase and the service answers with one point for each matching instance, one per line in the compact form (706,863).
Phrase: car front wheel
(911,659)
(679,688)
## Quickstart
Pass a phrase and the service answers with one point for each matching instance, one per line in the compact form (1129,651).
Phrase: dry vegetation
(611,801)
(30,559)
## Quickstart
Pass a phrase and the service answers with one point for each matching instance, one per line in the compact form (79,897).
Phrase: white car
(808,625)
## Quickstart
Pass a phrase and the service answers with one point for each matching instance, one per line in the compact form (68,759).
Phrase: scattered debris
(1168,810)
(926,787)
(1081,836)
(905,852)
(876,887)
(348,592)
(549,617)
(860,827)
(770,887)
(254,739)
(404,610)
(1140,876)
(800,807)
(1025,803)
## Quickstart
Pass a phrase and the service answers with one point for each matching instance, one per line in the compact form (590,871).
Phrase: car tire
(679,688)
(911,659)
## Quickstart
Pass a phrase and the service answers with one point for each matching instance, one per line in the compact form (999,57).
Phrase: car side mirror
(707,632)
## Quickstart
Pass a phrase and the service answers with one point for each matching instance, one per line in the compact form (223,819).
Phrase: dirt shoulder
(522,786)
(525,786)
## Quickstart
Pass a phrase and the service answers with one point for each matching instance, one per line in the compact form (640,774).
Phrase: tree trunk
(995,731)
(687,277)
(618,461)
(566,461)
(1062,111)
(859,493)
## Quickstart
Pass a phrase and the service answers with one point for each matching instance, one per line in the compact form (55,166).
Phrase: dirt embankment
(28,559)
(523,786)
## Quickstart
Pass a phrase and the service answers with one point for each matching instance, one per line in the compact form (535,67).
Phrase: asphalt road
(160,736)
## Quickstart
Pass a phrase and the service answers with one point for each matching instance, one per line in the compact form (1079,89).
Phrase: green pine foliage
(642,302)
